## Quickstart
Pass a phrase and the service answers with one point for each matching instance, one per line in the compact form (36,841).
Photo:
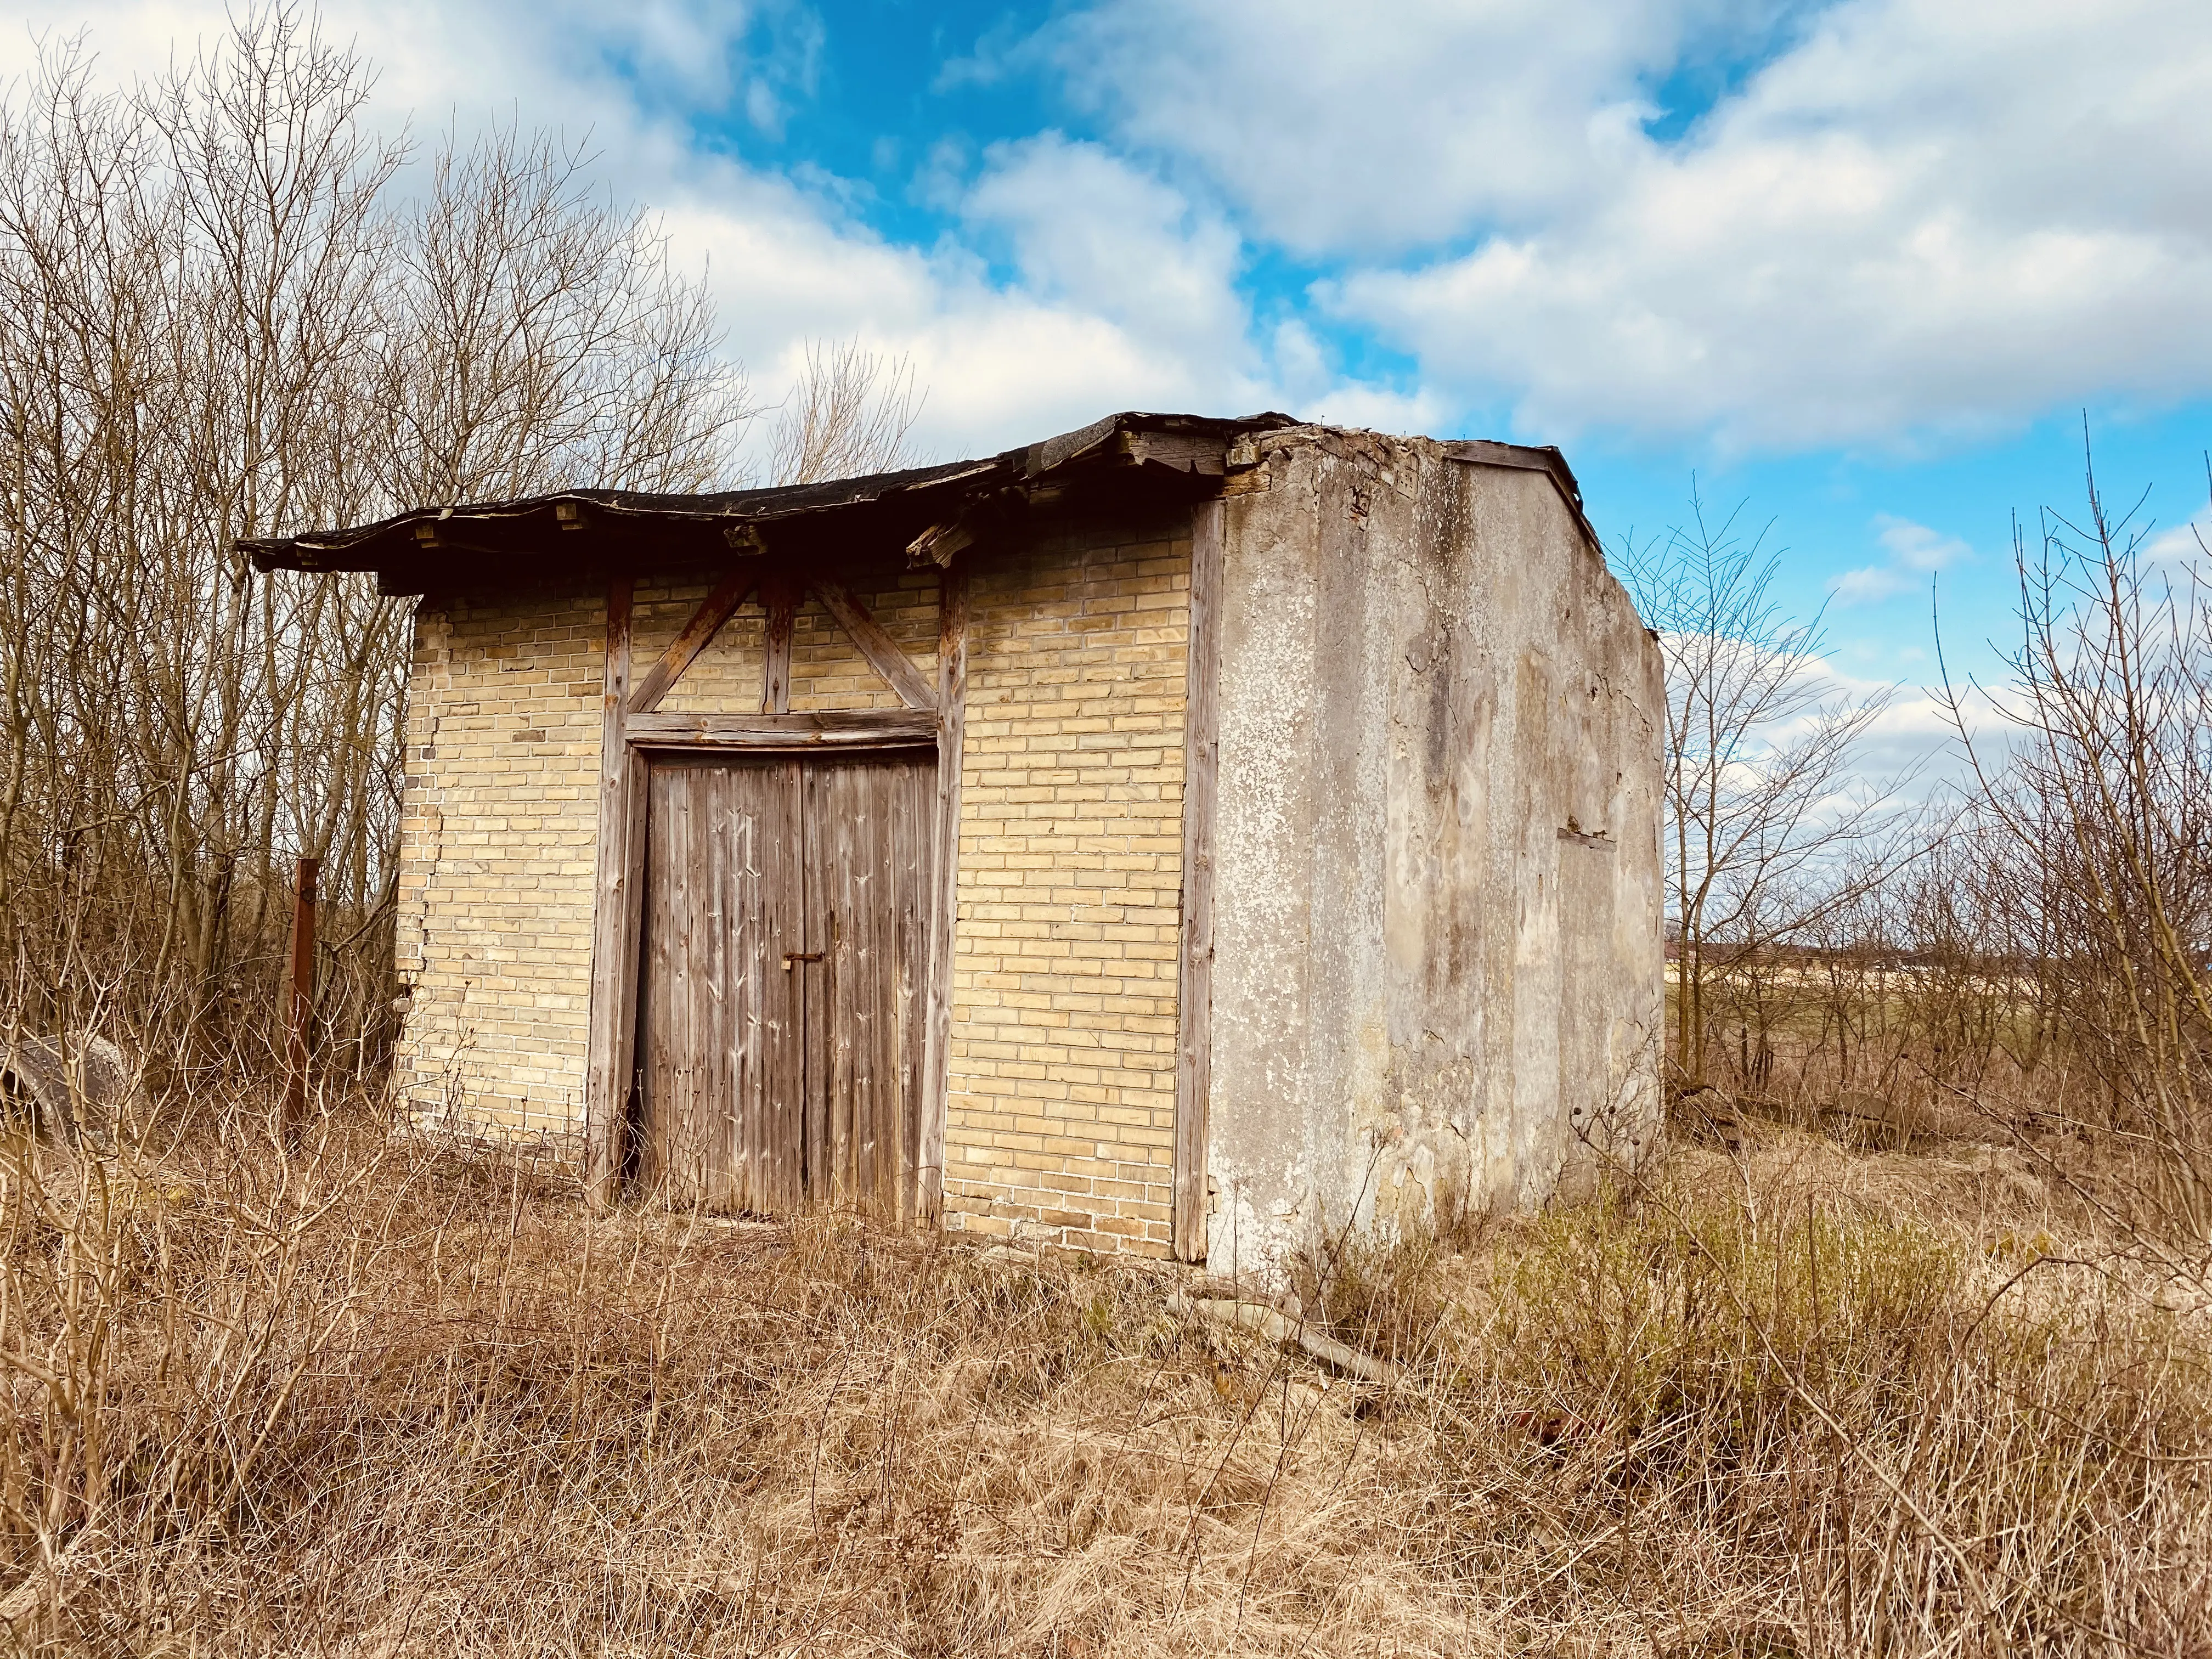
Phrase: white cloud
(1914,553)
(1912,745)
(1123,294)
(1120,297)
(1908,217)
(1914,218)
(1379,408)
(1915,741)
(1341,128)
(1087,227)
(2182,543)
(562,64)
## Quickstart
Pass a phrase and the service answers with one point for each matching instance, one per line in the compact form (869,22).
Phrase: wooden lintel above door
(855,728)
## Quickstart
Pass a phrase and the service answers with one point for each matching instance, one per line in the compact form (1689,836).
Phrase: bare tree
(850,412)
(220,317)
(542,336)
(1771,823)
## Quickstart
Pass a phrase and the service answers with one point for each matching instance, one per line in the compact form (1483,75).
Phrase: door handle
(790,957)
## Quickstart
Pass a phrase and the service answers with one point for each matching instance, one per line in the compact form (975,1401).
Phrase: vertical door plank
(653,987)
(831,923)
(762,1103)
(626,1036)
(893,934)
(864,884)
(686,1141)
(868,894)
(751,990)
(716,1036)
(915,823)
(722,1067)
(753,824)
(783,1117)
(1195,968)
(613,993)
(820,1129)
(941,876)
(846,974)
(661,1149)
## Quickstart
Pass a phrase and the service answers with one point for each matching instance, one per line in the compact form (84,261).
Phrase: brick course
(1061,1118)
(496,844)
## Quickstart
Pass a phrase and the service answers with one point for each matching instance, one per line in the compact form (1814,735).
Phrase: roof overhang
(930,511)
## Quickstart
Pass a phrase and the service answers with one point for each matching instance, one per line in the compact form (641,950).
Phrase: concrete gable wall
(1437,972)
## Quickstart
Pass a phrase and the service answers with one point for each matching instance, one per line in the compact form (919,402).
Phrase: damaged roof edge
(1527,458)
(354,547)
(312,550)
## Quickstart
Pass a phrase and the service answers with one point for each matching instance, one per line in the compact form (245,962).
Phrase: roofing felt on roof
(411,549)
(372,546)
(307,551)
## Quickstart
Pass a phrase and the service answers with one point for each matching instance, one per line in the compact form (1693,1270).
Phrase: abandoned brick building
(1179,836)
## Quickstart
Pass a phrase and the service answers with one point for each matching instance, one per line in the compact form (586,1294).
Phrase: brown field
(390,1397)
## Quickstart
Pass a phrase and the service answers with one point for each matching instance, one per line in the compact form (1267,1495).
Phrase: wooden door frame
(632,729)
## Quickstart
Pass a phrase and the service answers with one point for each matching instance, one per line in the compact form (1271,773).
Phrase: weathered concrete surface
(1437,970)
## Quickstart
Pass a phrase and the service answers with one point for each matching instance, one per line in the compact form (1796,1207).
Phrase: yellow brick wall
(1061,1118)
(1062,1122)
(501,822)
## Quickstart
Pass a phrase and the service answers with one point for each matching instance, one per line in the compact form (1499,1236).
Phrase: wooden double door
(783,979)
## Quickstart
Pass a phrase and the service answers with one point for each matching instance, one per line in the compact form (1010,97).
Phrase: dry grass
(389,1398)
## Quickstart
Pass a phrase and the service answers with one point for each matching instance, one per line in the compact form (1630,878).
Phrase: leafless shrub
(2035,958)
(2098,819)
(411,1397)
(546,339)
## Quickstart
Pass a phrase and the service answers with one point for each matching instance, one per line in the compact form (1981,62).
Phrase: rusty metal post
(300,998)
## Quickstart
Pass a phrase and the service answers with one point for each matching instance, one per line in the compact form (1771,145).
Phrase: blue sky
(1864,266)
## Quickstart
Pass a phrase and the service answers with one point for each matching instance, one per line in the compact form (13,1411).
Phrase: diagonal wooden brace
(881,650)
(716,609)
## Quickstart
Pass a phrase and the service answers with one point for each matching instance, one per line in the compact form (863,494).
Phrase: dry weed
(393,1398)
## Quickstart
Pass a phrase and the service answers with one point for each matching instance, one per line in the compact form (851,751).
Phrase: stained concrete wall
(1437,969)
